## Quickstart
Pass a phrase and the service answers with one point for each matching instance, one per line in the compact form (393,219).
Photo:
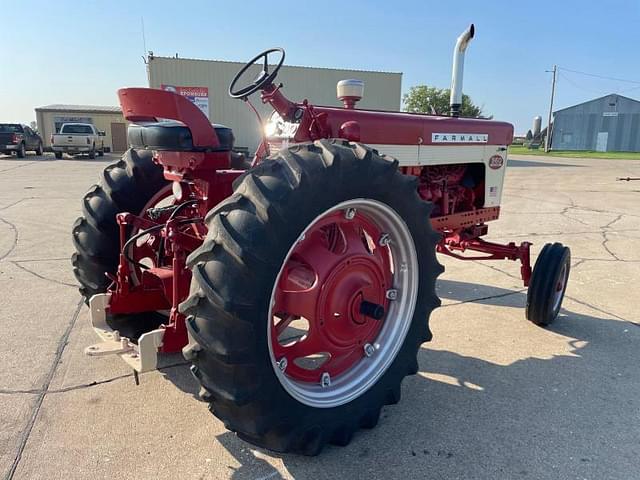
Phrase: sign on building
(199,96)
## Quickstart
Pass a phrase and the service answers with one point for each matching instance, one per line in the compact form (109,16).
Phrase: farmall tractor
(300,284)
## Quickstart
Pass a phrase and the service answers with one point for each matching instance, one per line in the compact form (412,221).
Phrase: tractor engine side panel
(494,158)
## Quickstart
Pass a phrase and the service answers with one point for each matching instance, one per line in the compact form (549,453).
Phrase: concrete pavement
(496,397)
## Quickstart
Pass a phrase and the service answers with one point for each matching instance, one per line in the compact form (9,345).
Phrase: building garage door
(118,137)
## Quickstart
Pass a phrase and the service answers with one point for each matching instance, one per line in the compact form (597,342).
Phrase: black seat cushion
(174,136)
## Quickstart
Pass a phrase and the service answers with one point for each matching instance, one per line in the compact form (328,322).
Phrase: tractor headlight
(277,128)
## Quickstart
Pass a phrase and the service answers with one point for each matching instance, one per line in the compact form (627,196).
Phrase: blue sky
(81,52)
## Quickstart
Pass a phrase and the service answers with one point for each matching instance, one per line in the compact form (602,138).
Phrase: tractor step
(142,357)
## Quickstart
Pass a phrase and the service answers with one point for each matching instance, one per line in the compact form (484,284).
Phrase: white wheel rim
(356,381)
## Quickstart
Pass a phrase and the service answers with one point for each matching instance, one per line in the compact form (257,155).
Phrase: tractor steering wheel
(263,79)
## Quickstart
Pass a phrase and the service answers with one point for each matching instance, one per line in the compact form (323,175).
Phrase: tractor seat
(174,136)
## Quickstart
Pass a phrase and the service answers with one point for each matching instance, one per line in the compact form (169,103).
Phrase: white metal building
(106,119)
(609,123)
(207,82)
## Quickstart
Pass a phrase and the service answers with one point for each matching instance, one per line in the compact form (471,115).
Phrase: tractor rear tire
(548,284)
(235,274)
(126,186)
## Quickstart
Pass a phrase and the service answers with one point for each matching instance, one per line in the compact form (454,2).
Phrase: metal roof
(60,107)
(284,65)
(596,99)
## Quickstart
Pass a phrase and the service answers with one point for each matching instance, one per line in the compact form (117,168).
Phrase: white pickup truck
(74,138)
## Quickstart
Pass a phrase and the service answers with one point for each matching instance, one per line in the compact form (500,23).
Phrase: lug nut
(350,213)
(369,350)
(392,294)
(282,364)
(325,380)
(385,239)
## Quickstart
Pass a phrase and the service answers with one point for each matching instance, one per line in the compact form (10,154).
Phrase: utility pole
(547,141)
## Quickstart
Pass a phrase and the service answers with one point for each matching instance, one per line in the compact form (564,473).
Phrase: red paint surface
(325,280)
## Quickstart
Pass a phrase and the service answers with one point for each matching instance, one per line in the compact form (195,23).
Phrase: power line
(564,76)
(575,85)
(599,76)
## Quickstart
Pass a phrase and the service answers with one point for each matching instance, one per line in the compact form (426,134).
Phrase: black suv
(19,138)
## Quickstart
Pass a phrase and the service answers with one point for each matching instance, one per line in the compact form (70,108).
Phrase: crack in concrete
(15,238)
(605,238)
(597,309)
(113,379)
(37,391)
(573,205)
(603,244)
(474,300)
(603,231)
(26,433)
(618,218)
(565,214)
(53,259)
(577,264)
(581,302)
(491,267)
(606,260)
(4,391)
(548,234)
(15,203)
(17,166)
(37,275)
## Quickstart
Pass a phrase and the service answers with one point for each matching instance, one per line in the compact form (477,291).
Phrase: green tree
(422,99)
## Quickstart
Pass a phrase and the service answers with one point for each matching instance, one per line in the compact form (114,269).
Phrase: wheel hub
(331,272)
(332,320)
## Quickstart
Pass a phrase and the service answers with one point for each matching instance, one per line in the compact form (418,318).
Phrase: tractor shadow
(541,416)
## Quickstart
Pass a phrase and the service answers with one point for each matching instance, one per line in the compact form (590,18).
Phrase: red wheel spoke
(353,236)
(310,344)
(282,325)
(314,253)
(300,303)
(299,349)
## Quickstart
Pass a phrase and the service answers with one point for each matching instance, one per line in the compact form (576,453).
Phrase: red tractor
(299,285)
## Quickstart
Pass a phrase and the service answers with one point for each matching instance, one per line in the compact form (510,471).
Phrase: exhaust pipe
(455,101)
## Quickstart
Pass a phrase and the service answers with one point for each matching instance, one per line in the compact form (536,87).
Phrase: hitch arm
(449,245)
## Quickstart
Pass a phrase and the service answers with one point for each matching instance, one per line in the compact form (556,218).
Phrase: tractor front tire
(548,284)
(126,186)
(240,267)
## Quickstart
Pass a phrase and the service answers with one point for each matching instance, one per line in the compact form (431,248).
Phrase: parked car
(75,138)
(19,138)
